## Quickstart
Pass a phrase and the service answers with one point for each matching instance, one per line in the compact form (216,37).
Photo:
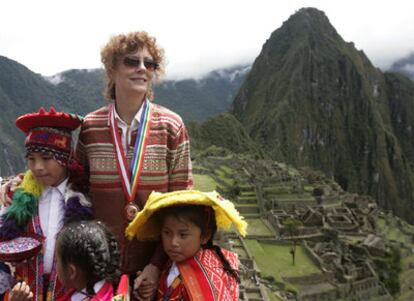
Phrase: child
(187,221)
(49,196)
(87,261)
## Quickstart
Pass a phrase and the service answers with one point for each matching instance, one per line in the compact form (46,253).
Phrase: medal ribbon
(130,176)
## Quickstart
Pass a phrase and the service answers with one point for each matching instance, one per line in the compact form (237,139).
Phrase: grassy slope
(204,182)
(257,227)
(276,261)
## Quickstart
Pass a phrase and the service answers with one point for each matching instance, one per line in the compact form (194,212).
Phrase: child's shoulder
(232,258)
(210,255)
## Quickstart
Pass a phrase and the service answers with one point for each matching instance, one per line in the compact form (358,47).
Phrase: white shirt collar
(79,296)
(135,120)
(61,187)
(172,274)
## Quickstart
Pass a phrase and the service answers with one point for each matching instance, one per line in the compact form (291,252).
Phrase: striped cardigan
(167,167)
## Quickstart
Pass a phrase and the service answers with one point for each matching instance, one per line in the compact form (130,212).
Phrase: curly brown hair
(122,44)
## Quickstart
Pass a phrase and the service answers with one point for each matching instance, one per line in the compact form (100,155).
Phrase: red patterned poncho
(201,278)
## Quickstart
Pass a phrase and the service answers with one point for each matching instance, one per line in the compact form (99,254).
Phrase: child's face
(181,238)
(45,168)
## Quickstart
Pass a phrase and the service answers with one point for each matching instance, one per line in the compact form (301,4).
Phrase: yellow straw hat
(145,227)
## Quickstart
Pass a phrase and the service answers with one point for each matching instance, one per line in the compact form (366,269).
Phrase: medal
(129,175)
(131,211)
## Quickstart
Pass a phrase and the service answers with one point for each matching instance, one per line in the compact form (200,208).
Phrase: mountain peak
(309,14)
(307,22)
(311,99)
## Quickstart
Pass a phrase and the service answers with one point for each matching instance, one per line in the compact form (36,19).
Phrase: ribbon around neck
(130,175)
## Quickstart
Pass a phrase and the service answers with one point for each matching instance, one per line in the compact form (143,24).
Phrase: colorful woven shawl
(203,279)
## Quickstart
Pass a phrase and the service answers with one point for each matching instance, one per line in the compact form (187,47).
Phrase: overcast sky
(50,36)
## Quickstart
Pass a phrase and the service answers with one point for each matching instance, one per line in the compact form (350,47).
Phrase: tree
(292,227)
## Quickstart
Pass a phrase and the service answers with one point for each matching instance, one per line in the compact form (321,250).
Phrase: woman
(132,147)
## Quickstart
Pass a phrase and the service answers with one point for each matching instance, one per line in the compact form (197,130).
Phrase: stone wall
(309,279)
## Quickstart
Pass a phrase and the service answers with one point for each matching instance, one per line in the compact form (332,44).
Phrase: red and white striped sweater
(167,167)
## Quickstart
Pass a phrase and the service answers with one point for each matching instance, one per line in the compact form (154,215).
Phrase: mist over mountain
(312,99)
(404,66)
(309,99)
(196,100)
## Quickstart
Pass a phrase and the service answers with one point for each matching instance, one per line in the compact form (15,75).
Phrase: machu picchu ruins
(347,248)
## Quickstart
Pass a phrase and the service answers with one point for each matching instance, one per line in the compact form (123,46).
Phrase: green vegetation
(227,169)
(290,196)
(308,188)
(204,182)
(396,234)
(277,190)
(407,260)
(275,260)
(388,269)
(199,168)
(332,205)
(247,193)
(392,232)
(224,177)
(223,131)
(381,223)
(352,239)
(406,281)
(257,227)
(293,229)
(272,297)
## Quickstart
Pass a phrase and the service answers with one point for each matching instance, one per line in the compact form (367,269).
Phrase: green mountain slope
(313,99)
(81,91)
(223,131)
(21,91)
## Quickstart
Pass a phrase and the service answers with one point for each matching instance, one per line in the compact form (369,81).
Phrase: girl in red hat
(50,195)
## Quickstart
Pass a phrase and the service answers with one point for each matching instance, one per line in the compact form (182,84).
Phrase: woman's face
(134,72)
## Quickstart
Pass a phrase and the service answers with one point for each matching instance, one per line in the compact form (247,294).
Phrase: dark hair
(92,248)
(204,218)
(78,176)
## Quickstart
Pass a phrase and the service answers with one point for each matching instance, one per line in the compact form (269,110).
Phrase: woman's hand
(21,292)
(146,284)
(8,188)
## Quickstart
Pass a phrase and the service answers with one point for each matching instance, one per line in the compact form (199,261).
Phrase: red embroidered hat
(49,132)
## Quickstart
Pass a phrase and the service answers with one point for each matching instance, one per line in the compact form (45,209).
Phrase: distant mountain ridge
(81,91)
(196,100)
(21,90)
(309,99)
(313,99)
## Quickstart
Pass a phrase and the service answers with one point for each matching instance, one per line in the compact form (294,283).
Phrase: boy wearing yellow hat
(186,222)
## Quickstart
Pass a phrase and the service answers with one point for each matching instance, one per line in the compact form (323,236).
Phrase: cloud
(409,68)
(51,36)
(55,79)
